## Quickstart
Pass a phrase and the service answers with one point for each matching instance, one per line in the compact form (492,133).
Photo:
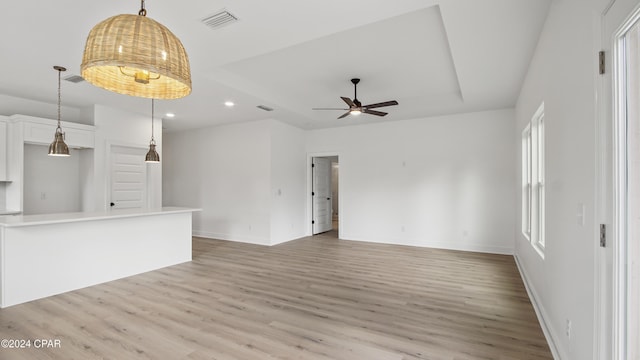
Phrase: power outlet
(567,329)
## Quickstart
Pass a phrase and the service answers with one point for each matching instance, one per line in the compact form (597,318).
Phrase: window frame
(533,181)
(538,122)
(526,182)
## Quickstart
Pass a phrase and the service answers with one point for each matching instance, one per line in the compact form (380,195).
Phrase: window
(533,181)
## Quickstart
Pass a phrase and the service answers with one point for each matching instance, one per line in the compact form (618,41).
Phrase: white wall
(442,182)
(563,74)
(51,184)
(226,171)
(248,178)
(288,182)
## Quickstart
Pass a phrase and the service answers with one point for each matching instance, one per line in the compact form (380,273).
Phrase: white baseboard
(551,336)
(442,245)
(248,240)
(282,241)
(242,239)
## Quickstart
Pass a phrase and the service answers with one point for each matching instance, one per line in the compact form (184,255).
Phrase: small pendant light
(152,154)
(58,147)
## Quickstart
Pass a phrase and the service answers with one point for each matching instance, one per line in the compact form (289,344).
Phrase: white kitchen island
(44,255)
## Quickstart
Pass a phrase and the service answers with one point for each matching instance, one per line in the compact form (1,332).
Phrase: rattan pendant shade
(137,56)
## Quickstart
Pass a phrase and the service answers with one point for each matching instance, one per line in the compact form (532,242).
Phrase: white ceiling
(433,57)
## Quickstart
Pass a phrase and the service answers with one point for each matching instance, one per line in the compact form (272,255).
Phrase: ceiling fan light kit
(355,106)
(135,55)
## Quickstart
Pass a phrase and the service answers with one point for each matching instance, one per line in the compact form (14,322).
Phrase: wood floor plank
(316,298)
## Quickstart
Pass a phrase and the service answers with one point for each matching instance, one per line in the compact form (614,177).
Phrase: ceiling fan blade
(373,112)
(329,109)
(345,115)
(377,105)
(348,101)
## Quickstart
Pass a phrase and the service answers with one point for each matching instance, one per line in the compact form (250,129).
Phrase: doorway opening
(325,195)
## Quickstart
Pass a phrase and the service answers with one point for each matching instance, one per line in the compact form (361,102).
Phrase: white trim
(526,186)
(619,194)
(557,352)
(533,172)
(256,240)
(611,184)
(619,181)
(278,242)
(501,250)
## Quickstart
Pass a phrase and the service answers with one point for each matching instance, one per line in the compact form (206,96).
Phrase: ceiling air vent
(219,19)
(265,108)
(74,78)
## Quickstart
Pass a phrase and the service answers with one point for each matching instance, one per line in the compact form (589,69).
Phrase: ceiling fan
(356,107)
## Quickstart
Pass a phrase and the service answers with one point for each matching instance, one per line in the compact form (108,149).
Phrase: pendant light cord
(59,129)
(152,118)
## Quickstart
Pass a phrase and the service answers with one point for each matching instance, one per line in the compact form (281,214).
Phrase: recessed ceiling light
(170,115)
(229,103)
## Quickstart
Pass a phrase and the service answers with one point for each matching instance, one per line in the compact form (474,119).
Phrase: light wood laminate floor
(314,298)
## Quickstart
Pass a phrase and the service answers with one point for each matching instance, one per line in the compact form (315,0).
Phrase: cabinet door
(37,133)
(3,151)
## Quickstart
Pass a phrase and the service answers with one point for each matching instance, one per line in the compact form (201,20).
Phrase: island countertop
(44,219)
(45,255)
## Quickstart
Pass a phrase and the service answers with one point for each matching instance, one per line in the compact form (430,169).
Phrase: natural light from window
(533,181)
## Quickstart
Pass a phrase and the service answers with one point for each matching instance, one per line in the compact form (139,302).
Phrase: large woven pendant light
(58,147)
(135,55)
(152,155)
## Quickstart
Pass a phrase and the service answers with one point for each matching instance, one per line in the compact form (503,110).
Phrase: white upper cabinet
(41,131)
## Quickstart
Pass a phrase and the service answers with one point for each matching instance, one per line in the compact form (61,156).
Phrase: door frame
(309,217)
(610,321)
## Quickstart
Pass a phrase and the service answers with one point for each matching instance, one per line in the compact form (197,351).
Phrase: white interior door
(616,322)
(321,195)
(128,178)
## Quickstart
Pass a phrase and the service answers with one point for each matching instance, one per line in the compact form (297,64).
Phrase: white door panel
(128,177)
